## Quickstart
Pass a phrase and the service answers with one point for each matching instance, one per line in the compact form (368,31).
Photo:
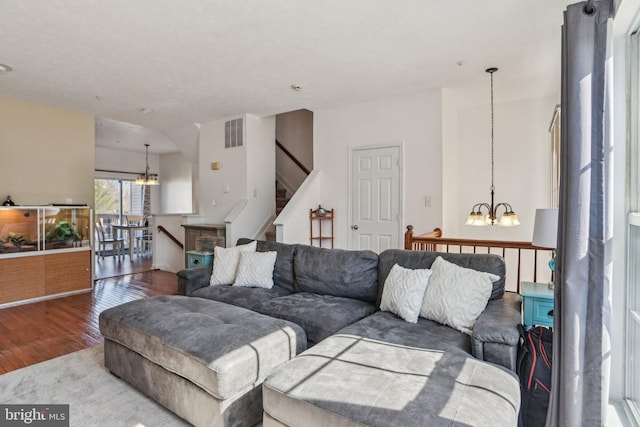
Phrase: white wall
(292,225)
(167,255)
(414,120)
(247,172)
(522,162)
(260,175)
(176,196)
(223,187)
(47,153)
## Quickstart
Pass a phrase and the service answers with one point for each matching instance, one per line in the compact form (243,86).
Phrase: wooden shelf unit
(319,222)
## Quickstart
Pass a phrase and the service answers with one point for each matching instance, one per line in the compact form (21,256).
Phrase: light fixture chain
(492,160)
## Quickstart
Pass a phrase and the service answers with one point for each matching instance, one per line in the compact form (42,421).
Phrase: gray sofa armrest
(192,279)
(495,335)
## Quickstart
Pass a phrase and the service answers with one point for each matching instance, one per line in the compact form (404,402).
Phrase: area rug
(95,397)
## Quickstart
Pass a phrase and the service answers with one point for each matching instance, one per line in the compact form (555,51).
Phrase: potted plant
(62,234)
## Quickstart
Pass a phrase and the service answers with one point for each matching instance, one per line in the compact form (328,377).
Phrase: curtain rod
(128,173)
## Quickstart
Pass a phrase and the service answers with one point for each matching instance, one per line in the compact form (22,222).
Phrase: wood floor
(110,266)
(40,331)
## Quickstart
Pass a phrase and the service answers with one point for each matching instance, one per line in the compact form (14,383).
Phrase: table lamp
(545,235)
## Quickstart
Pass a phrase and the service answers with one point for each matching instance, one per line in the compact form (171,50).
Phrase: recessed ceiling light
(296,87)
(146,110)
(5,68)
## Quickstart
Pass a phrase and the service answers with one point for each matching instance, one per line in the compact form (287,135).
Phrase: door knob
(354,227)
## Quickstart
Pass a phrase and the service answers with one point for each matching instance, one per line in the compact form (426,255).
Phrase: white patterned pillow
(225,263)
(255,269)
(403,292)
(456,296)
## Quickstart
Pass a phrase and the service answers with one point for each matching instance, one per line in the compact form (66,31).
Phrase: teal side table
(538,304)
(199,258)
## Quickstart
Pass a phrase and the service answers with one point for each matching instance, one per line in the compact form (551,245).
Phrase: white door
(375,198)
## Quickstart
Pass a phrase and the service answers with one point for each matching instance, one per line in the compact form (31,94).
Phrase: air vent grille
(233,133)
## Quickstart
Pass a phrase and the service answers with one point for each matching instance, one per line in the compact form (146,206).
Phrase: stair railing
(292,157)
(522,251)
(161,229)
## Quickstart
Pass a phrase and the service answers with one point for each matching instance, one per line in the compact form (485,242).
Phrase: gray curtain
(580,383)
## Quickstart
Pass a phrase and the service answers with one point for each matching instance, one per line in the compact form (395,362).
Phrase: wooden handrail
(434,241)
(161,229)
(292,157)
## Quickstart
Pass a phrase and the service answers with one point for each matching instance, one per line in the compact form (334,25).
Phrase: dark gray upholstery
(240,295)
(495,335)
(190,336)
(179,395)
(319,315)
(283,270)
(337,272)
(489,263)
(192,279)
(350,381)
(202,359)
(388,327)
(366,367)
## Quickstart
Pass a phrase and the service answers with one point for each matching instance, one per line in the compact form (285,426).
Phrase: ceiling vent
(233,133)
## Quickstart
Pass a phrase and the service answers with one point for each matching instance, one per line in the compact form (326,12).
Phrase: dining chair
(134,219)
(117,244)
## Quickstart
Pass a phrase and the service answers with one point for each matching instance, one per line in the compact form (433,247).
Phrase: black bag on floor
(534,370)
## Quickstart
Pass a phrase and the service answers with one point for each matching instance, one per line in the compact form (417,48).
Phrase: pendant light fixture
(477,216)
(147,178)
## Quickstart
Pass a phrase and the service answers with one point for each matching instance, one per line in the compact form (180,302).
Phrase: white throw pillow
(225,263)
(456,296)
(403,292)
(255,269)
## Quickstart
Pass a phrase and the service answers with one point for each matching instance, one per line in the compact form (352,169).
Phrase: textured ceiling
(193,61)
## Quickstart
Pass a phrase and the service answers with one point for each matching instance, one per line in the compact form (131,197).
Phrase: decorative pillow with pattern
(403,292)
(225,263)
(255,269)
(456,296)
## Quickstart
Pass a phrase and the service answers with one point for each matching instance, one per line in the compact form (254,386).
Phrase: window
(116,198)
(632,320)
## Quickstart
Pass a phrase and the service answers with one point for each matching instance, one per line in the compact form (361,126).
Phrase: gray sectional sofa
(315,350)
(325,290)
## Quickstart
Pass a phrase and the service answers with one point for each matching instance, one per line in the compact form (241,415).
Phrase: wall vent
(233,133)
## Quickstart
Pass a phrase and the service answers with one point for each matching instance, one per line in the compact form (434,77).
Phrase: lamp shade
(545,228)
(476,218)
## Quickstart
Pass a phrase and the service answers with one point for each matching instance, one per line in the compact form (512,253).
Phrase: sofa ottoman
(348,380)
(204,360)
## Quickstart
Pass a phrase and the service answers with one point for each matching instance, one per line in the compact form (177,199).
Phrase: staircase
(281,201)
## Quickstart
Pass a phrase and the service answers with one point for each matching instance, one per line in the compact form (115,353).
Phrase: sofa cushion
(489,263)
(388,327)
(404,291)
(219,347)
(337,272)
(225,263)
(351,381)
(255,269)
(319,315)
(456,296)
(283,270)
(239,295)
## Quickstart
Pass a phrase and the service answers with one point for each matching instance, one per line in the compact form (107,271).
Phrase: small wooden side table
(538,304)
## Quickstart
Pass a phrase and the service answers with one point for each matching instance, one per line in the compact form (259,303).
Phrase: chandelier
(490,217)
(147,178)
